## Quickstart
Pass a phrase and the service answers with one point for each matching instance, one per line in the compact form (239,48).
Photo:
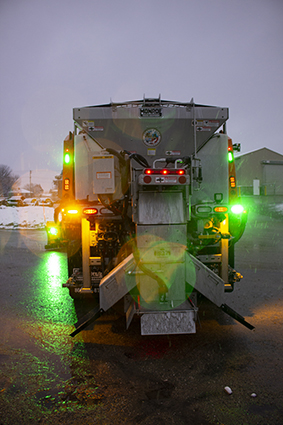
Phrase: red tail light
(147,179)
(182,179)
(165,171)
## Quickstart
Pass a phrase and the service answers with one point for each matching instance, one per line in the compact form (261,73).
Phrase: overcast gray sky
(59,54)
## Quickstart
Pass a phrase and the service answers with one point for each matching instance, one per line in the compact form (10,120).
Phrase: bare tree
(36,189)
(7,179)
(57,183)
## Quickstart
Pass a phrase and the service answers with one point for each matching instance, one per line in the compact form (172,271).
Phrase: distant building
(260,173)
(17,191)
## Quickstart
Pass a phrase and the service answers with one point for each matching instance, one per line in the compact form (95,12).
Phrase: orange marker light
(90,211)
(221,209)
(67,184)
(232,182)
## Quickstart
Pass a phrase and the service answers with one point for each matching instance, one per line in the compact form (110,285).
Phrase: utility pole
(30,182)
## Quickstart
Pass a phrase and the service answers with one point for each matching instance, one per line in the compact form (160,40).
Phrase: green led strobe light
(53,231)
(237,209)
(67,158)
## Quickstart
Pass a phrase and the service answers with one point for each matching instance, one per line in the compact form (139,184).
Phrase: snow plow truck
(149,212)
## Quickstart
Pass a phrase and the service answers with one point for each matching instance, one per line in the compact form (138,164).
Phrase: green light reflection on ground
(53,302)
(53,267)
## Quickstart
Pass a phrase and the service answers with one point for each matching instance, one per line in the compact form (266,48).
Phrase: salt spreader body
(149,211)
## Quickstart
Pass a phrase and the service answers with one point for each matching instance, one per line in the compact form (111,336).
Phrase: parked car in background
(29,201)
(15,201)
(47,202)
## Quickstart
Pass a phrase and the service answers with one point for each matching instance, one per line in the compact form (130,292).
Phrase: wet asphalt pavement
(106,375)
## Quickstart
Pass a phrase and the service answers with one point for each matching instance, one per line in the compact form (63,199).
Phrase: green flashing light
(237,209)
(230,157)
(53,231)
(67,158)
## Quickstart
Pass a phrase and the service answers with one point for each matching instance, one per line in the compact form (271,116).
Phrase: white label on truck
(88,123)
(151,152)
(93,128)
(166,179)
(173,153)
(103,175)
(206,123)
(203,128)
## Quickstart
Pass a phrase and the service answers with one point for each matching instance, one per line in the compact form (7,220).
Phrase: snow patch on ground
(278,208)
(33,217)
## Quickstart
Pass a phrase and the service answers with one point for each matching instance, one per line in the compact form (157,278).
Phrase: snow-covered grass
(273,210)
(33,217)
(278,208)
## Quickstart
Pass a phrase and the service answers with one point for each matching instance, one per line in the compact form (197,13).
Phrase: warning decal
(91,127)
(166,179)
(103,175)
(205,125)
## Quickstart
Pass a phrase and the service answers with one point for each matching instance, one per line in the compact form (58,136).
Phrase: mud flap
(204,280)
(114,286)
(236,316)
(207,283)
(88,319)
(120,281)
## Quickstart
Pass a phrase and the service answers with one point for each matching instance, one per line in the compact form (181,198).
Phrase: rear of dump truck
(149,211)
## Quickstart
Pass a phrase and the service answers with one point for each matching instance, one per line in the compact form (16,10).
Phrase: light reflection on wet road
(43,368)
(34,278)
(36,317)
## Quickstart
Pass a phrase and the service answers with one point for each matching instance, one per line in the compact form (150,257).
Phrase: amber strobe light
(66,184)
(232,182)
(220,209)
(90,211)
